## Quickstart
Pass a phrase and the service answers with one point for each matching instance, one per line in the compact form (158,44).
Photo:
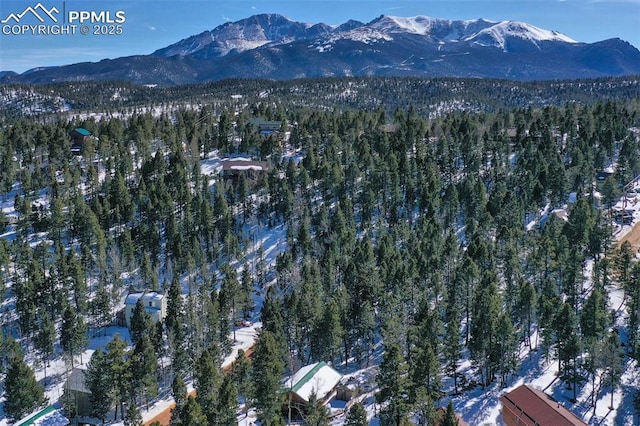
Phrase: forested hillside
(429,97)
(437,249)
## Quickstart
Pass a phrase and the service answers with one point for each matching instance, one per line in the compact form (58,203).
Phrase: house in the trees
(265,127)
(80,394)
(154,303)
(47,416)
(253,170)
(526,406)
(79,138)
(602,175)
(317,379)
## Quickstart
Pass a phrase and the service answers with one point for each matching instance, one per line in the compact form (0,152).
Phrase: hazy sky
(151,24)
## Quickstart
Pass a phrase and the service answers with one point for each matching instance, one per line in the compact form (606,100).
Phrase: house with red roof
(527,406)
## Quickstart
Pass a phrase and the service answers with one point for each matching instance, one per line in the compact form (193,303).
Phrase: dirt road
(633,237)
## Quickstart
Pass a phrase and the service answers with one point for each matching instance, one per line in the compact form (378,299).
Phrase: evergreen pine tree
(452,349)
(241,373)
(317,414)
(227,402)
(69,403)
(227,302)
(141,324)
(179,390)
(568,344)
(357,416)
(144,369)
(394,386)
(73,333)
(613,361)
(23,393)
(44,340)
(268,368)
(450,418)
(593,316)
(192,415)
(424,408)
(526,309)
(506,348)
(245,296)
(133,416)
(425,370)
(119,371)
(486,311)
(98,382)
(207,383)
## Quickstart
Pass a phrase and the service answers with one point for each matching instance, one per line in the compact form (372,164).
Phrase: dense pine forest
(429,97)
(440,247)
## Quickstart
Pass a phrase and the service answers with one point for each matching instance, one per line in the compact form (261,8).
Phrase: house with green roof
(79,137)
(317,379)
(49,416)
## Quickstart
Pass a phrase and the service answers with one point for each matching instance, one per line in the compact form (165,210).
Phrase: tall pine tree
(23,393)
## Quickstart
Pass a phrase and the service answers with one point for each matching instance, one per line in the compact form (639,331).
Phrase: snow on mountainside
(440,29)
(273,46)
(246,34)
(498,34)
(259,30)
(478,30)
(474,32)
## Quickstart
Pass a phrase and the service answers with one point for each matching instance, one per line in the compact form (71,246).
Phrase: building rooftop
(83,132)
(132,298)
(318,378)
(243,164)
(535,407)
(76,381)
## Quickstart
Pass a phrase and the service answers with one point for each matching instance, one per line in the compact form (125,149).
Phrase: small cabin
(79,137)
(251,169)
(316,379)
(265,127)
(155,304)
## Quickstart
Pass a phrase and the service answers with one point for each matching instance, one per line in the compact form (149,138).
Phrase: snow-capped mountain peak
(414,25)
(274,46)
(499,34)
(272,29)
(246,34)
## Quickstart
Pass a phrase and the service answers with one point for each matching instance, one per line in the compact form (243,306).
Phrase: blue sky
(153,24)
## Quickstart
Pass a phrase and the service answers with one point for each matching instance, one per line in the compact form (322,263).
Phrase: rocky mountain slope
(275,47)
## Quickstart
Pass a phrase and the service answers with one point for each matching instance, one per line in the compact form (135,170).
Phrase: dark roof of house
(76,382)
(538,408)
(83,132)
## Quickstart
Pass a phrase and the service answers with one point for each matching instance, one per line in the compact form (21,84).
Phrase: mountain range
(271,46)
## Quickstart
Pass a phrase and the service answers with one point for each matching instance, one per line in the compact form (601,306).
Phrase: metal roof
(535,407)
(132,298)
(83,132)
(318,378)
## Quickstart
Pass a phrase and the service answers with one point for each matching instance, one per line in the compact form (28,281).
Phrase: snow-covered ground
(269,241)
(483,407)
(477,407)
